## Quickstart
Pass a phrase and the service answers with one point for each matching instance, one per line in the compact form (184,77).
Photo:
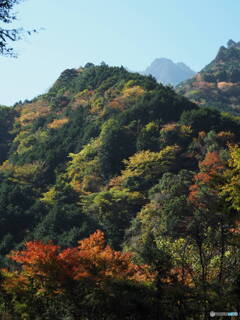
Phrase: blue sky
(131,33)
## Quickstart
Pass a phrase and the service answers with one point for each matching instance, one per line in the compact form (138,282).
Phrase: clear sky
(131,33)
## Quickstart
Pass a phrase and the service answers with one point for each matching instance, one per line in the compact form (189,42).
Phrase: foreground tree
(91,281)
(7,36)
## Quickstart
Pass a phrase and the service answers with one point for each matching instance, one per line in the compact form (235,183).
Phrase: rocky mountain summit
(218,84)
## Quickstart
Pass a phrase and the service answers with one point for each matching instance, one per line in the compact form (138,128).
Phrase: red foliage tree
(50,269)
(211,169)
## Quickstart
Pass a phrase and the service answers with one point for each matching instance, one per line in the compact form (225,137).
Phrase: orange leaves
(96,260)
(23,174)
(39,260)
(128,94)
(225,85)
(48,268)
(41,267)
(212,164)
(211,168)
(95,242)
(32,111)
(183,275)
(83,98)
(203,84)
(57,123)
(193,194)
(35,253)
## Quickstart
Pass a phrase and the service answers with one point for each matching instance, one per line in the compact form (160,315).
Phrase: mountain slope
(218,84)
(168,72)
(110,150)
(97,113)
(65,148)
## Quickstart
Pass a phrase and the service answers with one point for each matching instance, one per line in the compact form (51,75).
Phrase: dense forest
(119,199)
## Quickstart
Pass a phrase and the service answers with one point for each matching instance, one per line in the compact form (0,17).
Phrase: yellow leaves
(26,173)
(169,127)
(234,161)
(49,197)
(83,164)
(181,129)
(58,123)
(133,92)
(90,183)
(129,84)
(83,98)
(15,282)
(149,218)
(128,95)
(97,106)
(115,198)
(174,133)
(151,126)
(231,189)
(185,129)
(146,163)
(26,140)
(32,111)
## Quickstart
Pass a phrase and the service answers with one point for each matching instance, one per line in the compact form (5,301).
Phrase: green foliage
(174,133)
(65,225)
(18,214)
(113,210)
(144,168)
(201,119)
(148,138)
(6,123)
(113,137)
(230,189)
(110,149)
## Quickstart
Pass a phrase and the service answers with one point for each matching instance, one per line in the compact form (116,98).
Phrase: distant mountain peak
(159,60)
(168,72)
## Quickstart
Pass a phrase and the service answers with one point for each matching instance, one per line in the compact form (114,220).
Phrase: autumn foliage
(57,123)
(211,169)
(51,268)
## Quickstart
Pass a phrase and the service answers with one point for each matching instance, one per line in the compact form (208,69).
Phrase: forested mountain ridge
(218,84)
(110,150)
(91,117)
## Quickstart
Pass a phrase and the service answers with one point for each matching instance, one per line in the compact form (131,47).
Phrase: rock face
(168,72)
(218,84)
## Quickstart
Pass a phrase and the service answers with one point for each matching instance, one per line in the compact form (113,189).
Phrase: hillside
(110,150)
(77,136)
(167,72)
(218,84)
